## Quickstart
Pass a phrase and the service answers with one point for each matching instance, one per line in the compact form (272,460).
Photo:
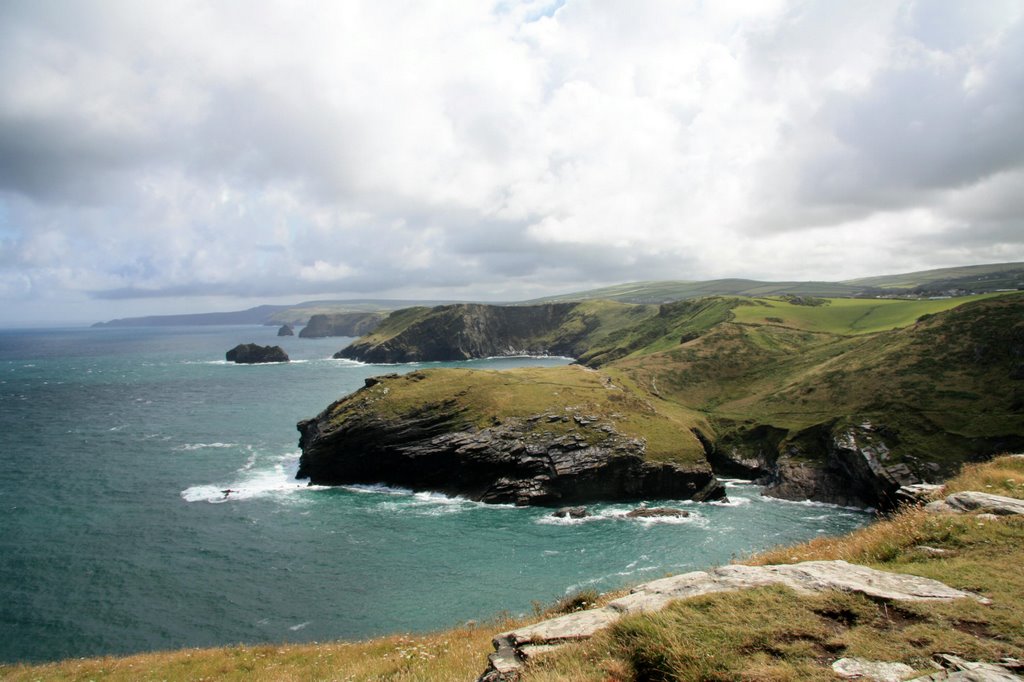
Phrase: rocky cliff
(800,397)
(576,443)
(469,330)
(341,324)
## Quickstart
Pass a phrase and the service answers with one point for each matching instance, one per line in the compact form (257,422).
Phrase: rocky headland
(579,440)
(811,401)
(469,330)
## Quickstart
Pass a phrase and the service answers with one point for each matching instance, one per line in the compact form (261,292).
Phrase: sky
(195,156)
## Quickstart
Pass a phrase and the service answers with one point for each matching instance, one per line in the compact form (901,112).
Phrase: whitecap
(277,480)
(732,502)
(294,628)
(202,446)
(736,482)
(378,488)
(814,503)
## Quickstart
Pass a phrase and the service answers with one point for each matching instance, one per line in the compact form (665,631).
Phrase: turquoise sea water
(115,445)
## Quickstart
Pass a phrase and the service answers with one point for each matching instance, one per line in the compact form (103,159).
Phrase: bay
(116,537)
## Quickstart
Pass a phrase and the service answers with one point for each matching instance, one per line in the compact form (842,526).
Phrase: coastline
(972,553)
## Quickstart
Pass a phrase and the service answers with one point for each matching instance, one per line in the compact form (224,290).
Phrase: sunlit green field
(847,315)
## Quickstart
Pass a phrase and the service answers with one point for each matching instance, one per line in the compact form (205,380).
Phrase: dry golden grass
(457,654)
(775,634)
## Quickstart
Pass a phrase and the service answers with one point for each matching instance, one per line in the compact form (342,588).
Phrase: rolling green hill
(971,277)
(974,278)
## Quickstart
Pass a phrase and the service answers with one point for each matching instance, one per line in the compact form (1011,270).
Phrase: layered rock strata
(515,648)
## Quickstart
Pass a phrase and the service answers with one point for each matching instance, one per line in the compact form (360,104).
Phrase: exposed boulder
(956,668)
(570,512)
(852,668)
(917,494)
(656,512)
(984,503)
(251,354)
(286,330)
(809,577)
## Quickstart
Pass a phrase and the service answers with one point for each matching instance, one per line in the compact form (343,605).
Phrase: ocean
(116,537)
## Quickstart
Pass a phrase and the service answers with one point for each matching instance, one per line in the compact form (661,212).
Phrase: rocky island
(252,354)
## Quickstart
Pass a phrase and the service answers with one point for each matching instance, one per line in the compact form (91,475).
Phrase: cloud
(474,150)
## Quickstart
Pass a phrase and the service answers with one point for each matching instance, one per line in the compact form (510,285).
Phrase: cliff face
(341,324)
(464,331)
(458,445)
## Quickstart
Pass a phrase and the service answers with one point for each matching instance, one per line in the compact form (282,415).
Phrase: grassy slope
(945,374)
(675,290)
(480,397)
(911,280)
(846,316)
(709,638)
(797,638)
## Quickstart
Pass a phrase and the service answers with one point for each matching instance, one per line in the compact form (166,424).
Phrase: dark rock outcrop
(571,513)
(854,471)
(340,324)
(532,461)
(251,354)
(656,513)
(286,330)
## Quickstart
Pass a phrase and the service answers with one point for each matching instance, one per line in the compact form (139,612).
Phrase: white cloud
(462,149)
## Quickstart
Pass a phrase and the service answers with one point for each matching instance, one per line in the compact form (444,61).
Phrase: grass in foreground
(775,634)
(457,654)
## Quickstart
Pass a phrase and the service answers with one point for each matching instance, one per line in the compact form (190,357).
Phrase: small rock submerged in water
(570,512)
(656,512)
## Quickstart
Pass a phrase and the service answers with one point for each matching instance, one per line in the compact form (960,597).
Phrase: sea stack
(286,330)
(251,354)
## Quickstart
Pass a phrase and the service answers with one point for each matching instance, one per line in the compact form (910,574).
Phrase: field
(847,316)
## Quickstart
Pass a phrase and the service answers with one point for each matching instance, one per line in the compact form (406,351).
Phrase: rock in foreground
(809,577)
(505,437)
(252,354)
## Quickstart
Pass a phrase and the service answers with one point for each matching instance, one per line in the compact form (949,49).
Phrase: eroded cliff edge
(527,437)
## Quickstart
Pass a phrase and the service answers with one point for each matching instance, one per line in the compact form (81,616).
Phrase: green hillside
(974,278)
(846,315)
(996,275)
(932,383)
